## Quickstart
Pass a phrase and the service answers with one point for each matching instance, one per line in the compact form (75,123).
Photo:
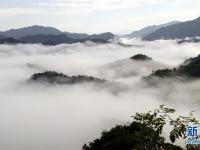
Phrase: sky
(95,16)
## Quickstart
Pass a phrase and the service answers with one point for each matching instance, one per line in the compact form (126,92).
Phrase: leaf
(172,138)
(180,133)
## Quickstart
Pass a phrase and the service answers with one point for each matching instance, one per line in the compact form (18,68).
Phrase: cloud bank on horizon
(94,16)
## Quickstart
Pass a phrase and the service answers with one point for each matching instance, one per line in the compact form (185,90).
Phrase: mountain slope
(60,78)
(52,36)
(48,39)
(76,35)
(33,30)
(150,29)
(10,41)
(189,69)
(2,37)
(62,38)
(177,31)
(103,36)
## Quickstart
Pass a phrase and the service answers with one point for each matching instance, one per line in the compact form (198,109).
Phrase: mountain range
(180,30)
(2,37)
(32,30)
(149,29)
(50,36)
(53,39)
(189,69)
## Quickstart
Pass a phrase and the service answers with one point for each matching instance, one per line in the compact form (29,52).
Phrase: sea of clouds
(64,117)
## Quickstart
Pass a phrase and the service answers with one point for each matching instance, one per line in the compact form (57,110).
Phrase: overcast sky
(94,16)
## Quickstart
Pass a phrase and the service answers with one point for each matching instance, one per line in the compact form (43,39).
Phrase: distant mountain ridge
(2,37)
(50,39)
(53,36)
(150,29)
(64,39)
(77,35)
(10,41)
(35,30)
(177,31)
(50,36)
(32,30)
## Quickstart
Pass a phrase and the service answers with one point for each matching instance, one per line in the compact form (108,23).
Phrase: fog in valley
(38,116)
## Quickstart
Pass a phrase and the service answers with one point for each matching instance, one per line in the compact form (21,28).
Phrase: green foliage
(190,68)
(161,117)
(144,133)
(135,136)
(155,120)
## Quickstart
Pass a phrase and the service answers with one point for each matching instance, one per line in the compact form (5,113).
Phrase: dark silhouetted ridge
(190,69)
(60,78)
(10,41)
(135,136)
(141,57)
